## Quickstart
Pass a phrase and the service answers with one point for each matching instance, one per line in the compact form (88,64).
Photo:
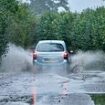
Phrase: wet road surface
(50,88)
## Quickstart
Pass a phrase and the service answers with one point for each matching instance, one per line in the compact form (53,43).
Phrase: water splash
(90,60)
(16,60)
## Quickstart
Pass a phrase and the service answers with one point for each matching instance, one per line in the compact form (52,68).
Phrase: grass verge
(99,99)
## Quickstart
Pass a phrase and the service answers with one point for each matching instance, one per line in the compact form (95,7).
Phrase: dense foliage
(8,9)
(98,99)
(21,27)
(84,31)
(18,25)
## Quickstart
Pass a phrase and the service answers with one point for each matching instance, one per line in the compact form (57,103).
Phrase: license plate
(47,60)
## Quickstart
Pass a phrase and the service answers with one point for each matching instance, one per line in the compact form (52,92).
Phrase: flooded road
(50,89)
(21,87)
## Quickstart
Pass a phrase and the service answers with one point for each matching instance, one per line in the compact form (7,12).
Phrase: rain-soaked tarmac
(50,88)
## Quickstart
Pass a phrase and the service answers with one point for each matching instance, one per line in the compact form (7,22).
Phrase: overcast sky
(79,5)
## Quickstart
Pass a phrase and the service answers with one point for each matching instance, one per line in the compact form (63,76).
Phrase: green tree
(64,28)
(21,27)
(56,26)
(85,31)
(7,8)
(99,28)
(82,30)
(47,26)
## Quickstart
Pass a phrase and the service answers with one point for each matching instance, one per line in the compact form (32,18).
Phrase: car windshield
(50,47)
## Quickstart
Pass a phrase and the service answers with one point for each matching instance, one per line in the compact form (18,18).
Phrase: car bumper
(50,64)
(57,67)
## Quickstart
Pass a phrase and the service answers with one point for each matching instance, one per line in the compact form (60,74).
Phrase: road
(27,88)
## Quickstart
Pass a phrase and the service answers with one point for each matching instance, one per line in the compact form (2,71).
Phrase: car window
(50,47)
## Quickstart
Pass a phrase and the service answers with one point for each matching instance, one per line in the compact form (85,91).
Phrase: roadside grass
(99,99)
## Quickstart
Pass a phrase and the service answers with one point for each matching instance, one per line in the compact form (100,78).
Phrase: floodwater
(20,85)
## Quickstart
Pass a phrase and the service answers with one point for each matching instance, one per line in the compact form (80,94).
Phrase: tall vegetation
(21,27)
(8,9)
(85,30)
(16,23)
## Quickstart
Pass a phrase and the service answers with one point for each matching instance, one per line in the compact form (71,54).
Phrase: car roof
(52,41)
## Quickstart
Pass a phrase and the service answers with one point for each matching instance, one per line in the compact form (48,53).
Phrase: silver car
(49,54)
